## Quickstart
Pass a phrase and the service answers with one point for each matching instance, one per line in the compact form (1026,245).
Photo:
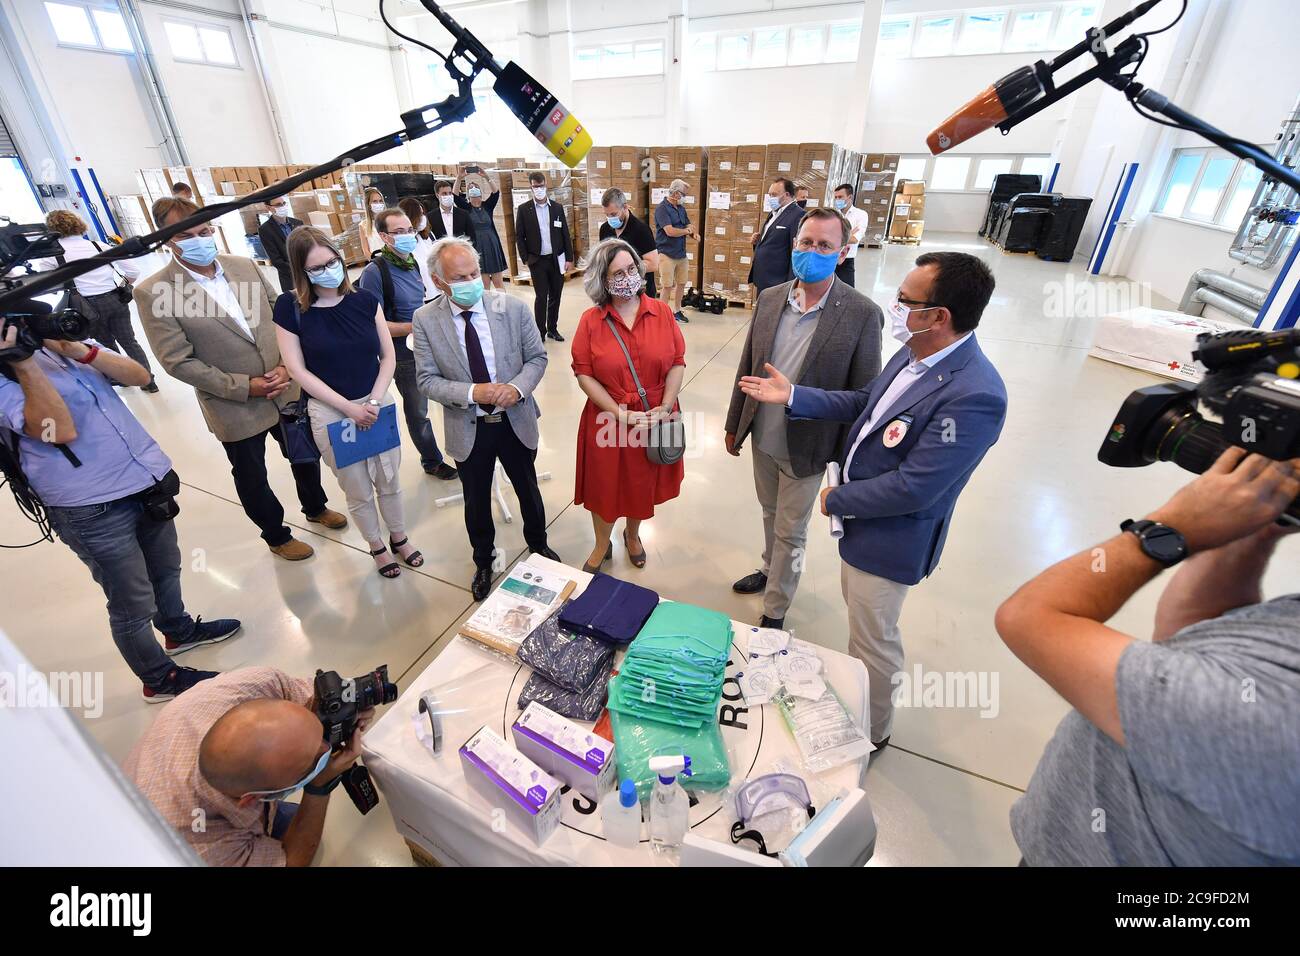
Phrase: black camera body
(36,320)
(339,700)
(1252,384)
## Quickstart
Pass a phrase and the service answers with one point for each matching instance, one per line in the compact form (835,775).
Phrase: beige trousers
(874,606)
(371,487)
(787,504)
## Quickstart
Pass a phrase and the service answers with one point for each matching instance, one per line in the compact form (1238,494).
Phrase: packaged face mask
(825,732)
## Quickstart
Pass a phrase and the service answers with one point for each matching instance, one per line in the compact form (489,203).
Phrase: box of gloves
(583,760)
(511,782)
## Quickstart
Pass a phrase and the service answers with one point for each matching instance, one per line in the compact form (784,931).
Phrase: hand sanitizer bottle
(668,803)
(620,814)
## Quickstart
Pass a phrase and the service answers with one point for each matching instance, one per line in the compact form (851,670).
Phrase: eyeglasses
(915,303)
(627,273)
(824,247)
(318,271)
(399,232)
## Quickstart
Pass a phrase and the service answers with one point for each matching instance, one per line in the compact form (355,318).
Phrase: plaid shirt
(165,767)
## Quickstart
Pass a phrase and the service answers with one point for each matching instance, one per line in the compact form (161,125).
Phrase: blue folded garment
(609,609)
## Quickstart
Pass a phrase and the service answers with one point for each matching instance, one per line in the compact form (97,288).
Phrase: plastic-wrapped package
(575,704)
(656,702)
(636,741)
(824,730)
(572,661)
(609,609)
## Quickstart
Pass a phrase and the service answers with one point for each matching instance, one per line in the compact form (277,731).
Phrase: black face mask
(801,203)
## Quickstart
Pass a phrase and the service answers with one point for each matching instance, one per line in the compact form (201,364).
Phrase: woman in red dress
(615,478)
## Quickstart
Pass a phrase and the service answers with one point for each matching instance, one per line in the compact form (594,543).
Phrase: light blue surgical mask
(475,192)
(615,222)
(406,244)
(812,266)
(198,250)
(772,203)
(467,293)
(331,278)
(270,796)
(841,204)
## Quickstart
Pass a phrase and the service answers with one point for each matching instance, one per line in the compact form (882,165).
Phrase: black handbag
(295,424)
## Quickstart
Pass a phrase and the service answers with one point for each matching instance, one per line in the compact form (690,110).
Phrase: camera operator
(1181,750)
(108,490)
(218,763)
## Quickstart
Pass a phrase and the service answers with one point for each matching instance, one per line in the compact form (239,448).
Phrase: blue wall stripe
(1110,207)
(90,206)
(108,209)
(1052,181)
(1114,217)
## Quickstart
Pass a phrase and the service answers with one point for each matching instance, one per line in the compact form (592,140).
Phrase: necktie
(474,352)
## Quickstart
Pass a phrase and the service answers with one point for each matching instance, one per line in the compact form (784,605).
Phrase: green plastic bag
(636,741)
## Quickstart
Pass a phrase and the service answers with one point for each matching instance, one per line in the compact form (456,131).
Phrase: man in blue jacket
(919,430)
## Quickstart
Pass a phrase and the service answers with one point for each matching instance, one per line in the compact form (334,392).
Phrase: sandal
(390,570)
(608,554)
(638,560)
(414,560)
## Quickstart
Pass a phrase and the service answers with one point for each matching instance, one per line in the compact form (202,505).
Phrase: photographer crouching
(108,491)
(1183,750)
(219,762)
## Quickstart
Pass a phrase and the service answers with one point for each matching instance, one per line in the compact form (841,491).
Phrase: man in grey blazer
(829,333)
(481,357)
(208,320)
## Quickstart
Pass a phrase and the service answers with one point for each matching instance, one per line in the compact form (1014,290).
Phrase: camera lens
(1187,439)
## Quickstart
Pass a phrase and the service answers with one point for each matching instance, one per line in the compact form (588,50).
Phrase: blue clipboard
(352,444)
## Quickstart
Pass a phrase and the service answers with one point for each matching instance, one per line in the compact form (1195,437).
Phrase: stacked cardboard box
(621,166)
(132,215)
(736,183)
(822,167)
(690,164)
(875,193)
(579,216)
(504,216)
(907,221)
(559,184)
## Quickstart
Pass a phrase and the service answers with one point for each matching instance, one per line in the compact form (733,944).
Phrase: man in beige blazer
(208,320)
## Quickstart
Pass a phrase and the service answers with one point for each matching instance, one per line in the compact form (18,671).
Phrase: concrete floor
(941,792)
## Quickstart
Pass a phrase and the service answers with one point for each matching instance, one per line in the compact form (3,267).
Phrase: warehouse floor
(942,791)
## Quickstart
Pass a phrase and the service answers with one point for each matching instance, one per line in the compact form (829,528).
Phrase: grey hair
(679,186)
(614,195)
(450,242)
(598,260)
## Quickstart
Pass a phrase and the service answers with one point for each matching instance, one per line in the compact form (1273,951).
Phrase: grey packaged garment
(576,705)
(571,661)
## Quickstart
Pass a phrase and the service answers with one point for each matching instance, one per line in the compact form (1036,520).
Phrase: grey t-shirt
(1210,772)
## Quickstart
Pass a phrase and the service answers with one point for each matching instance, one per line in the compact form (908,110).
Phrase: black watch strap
(1158,542)
(324,791)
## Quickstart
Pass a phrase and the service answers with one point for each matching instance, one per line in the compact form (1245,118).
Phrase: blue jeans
(415,409)
(138,564)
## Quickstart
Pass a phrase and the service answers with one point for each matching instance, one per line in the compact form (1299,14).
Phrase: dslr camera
(338,703)
(1249,397)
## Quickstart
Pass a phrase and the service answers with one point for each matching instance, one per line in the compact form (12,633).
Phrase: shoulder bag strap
(386,280)
(636,379)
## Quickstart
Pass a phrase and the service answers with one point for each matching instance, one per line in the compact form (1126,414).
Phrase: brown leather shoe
(330,519)
(293,550)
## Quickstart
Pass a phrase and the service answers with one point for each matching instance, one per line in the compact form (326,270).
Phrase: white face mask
(898,316)
(377,207)
(279,211)
(539,193)
(445,201)
(424,224)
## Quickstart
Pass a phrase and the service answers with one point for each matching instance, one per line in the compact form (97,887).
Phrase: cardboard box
(626,160)
(898,229)
(239,188)
(751,160)
(742,255)
(915,228)
(782,158)
(911,187)
(302,205)
(690,161)
(251,174)
(720,226)
(722,160)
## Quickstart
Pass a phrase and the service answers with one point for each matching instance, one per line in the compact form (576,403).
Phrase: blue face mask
(475,192)
(405,244)
(811,266)
(332,278)
(198,250)
(841,204)
(615,222)
(467,293)
(270,796)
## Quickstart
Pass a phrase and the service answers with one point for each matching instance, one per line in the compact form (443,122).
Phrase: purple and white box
(583,760)
(507,779)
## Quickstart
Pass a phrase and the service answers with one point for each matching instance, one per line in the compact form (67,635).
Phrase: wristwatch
(1158,542)
(375,402)
(324,791)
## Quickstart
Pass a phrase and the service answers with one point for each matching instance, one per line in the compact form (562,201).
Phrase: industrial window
(769,47)
(773,46)
(200,43)
(970,173)
(989,167)
(950,172)
(1044,26)
(1208,186)
(806,45)
(704,52)
(89,27)
(912,167)
(842,41)
(602,61)
(1040,166)
(733,51)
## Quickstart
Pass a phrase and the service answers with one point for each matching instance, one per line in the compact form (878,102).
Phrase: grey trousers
(874,605)
(787,504)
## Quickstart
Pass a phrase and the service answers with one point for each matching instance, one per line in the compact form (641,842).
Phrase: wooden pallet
(904,242)
(528,280)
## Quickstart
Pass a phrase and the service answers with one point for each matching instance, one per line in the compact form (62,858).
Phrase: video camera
(1252,385)
(338,703)
(36,320)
